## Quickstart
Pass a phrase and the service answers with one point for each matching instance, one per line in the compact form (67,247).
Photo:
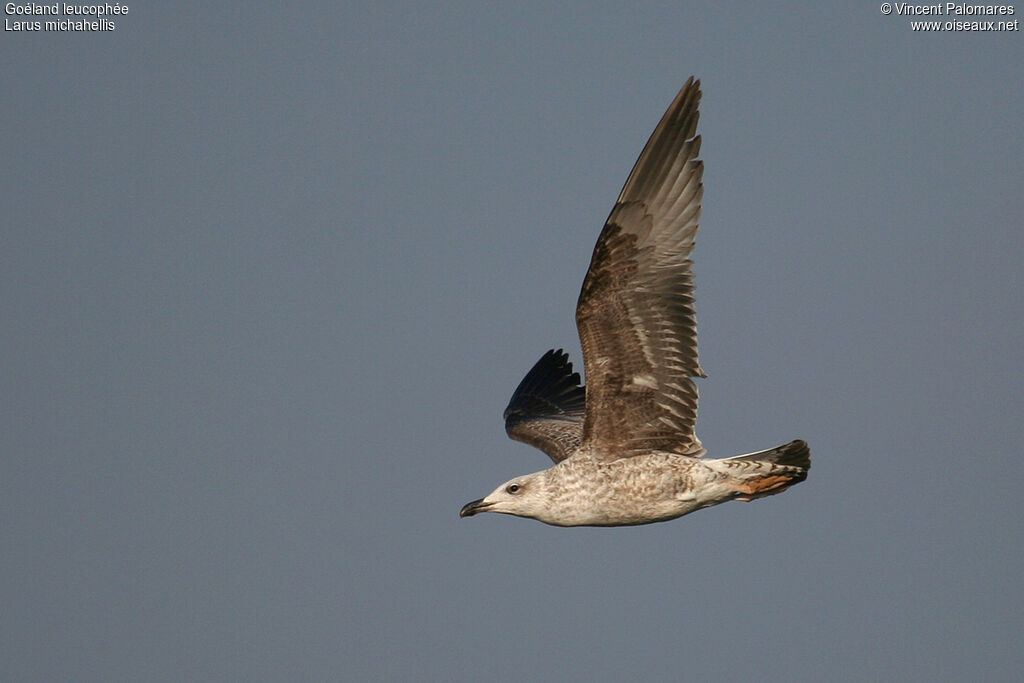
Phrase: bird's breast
(637,490)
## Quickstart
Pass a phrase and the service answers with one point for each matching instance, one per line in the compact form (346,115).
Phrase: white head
(524,496)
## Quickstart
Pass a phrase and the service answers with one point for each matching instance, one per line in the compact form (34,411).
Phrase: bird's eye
(512,488)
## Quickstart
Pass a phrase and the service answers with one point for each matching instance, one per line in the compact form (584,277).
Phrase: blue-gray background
(269,278)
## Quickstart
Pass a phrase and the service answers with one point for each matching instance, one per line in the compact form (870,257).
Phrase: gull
(624,447)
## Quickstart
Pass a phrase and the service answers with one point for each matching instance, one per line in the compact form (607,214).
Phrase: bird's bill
(470,509)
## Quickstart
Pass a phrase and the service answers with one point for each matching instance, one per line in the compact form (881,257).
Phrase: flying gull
(624,446)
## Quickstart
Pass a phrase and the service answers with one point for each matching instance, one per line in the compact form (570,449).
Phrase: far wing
(635,313)
(546,410)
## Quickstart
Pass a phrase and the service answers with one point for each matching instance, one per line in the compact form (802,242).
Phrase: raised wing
(635,313)
(546,410)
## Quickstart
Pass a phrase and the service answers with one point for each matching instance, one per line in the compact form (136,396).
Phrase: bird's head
(524,496)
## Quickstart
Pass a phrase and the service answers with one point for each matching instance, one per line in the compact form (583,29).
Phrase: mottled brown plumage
(624,447)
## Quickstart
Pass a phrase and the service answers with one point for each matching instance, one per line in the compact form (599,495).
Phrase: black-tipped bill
(470,509)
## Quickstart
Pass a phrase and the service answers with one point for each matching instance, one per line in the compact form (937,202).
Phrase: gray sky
(268,278)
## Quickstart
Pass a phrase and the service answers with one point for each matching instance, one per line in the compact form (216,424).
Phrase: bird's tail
(771,471)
